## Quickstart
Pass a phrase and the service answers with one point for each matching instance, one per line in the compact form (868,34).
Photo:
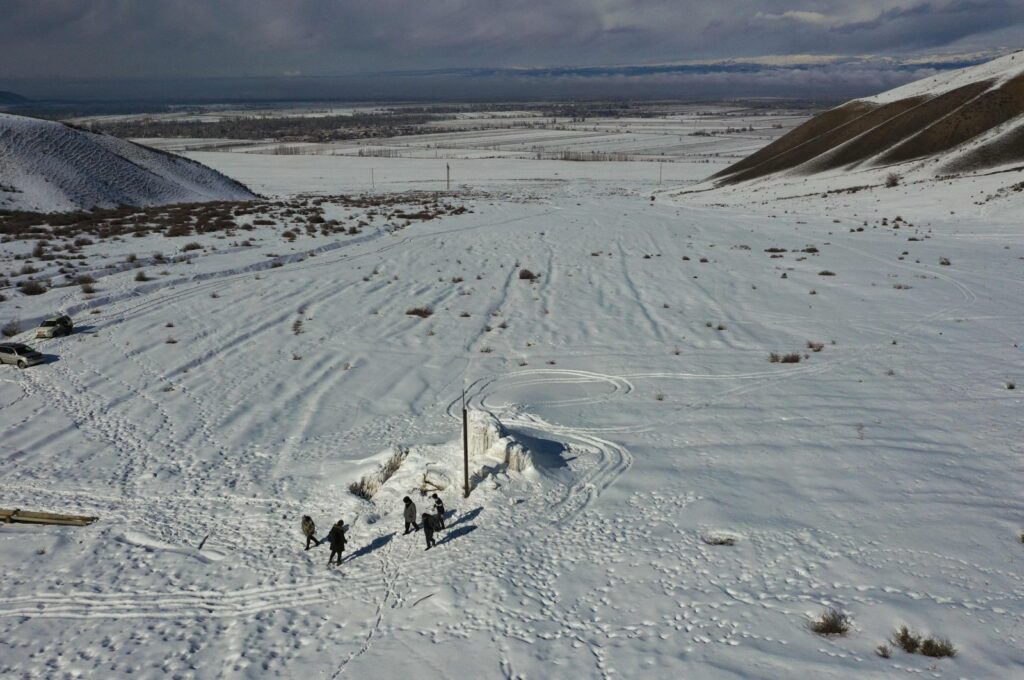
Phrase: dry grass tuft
(831,622)
(422,312)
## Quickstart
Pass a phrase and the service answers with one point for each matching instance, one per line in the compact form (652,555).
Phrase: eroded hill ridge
(962,121)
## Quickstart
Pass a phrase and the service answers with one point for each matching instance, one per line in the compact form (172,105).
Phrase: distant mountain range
(966,120)
(11,98)
(52,167)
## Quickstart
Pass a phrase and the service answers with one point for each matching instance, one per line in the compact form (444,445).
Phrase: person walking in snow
(309,530)
(336,537)
(428,529)
(410,515)
(438,510)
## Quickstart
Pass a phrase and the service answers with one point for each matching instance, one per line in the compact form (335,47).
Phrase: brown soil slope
(865,133)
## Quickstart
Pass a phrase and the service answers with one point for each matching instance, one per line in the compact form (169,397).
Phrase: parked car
(51,328)
(20,355)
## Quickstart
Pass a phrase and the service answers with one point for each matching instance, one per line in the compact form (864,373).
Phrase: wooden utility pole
(448,184)
(372,185)
(465,443)
(660,166)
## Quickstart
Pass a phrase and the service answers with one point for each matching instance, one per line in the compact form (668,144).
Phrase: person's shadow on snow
(457,533)
(468,517)
(376,544)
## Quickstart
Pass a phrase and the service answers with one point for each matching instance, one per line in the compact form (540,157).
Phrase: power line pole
(465,443)
(372,185)
(448,184)
(660,166)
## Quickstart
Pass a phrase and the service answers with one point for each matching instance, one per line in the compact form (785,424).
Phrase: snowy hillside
(711,425)
(963,121)
(51,167)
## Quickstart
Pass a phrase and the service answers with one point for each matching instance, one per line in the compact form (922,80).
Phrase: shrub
(32,287)
(422,312)
(937,647)
(141,276)
(366,487)
(1011,385)
(84,279)
(906,640)
(718,539)
(660,396)
(815,346)
(171,341)
(527,275)
(11,328)
(884,651)
(192,245)
(893,179)
(88,288)
(825,272)
(831,622)
(791,358)
(944,261)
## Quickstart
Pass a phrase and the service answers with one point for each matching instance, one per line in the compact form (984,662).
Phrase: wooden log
(29,517)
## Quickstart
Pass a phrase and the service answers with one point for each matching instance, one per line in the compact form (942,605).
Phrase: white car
(51,328)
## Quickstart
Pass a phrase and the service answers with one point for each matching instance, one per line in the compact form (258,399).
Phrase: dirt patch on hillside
(898,128)
(985,112)
(828,140)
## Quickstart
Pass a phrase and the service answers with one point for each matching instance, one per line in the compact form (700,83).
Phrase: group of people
(335,537)
(430,522)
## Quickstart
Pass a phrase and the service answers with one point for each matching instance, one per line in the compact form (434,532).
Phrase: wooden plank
(29,517)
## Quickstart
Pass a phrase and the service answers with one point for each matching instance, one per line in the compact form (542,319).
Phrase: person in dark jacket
(336,537)
(309,530)
(410,515)
(438,510)
(428,529)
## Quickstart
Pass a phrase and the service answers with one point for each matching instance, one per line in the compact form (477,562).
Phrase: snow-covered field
(880,475)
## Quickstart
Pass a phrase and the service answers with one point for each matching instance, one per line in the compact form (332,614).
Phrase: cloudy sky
(155,40)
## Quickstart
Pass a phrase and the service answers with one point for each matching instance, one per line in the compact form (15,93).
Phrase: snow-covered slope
(692,505)
(961,121)
(48,167)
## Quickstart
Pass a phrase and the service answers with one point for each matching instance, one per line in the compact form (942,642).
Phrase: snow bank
(489,442)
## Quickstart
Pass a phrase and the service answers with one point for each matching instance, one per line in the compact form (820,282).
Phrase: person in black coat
(438,510)
(428,529)
(410,515)
(336,537)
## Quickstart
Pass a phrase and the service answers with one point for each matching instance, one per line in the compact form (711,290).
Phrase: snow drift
(50,167)
(490,442)
(963,121)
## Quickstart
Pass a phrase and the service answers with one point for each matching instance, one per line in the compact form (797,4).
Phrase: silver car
(51,328)
(20,355)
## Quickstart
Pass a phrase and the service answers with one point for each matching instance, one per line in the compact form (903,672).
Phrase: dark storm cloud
(161,39)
